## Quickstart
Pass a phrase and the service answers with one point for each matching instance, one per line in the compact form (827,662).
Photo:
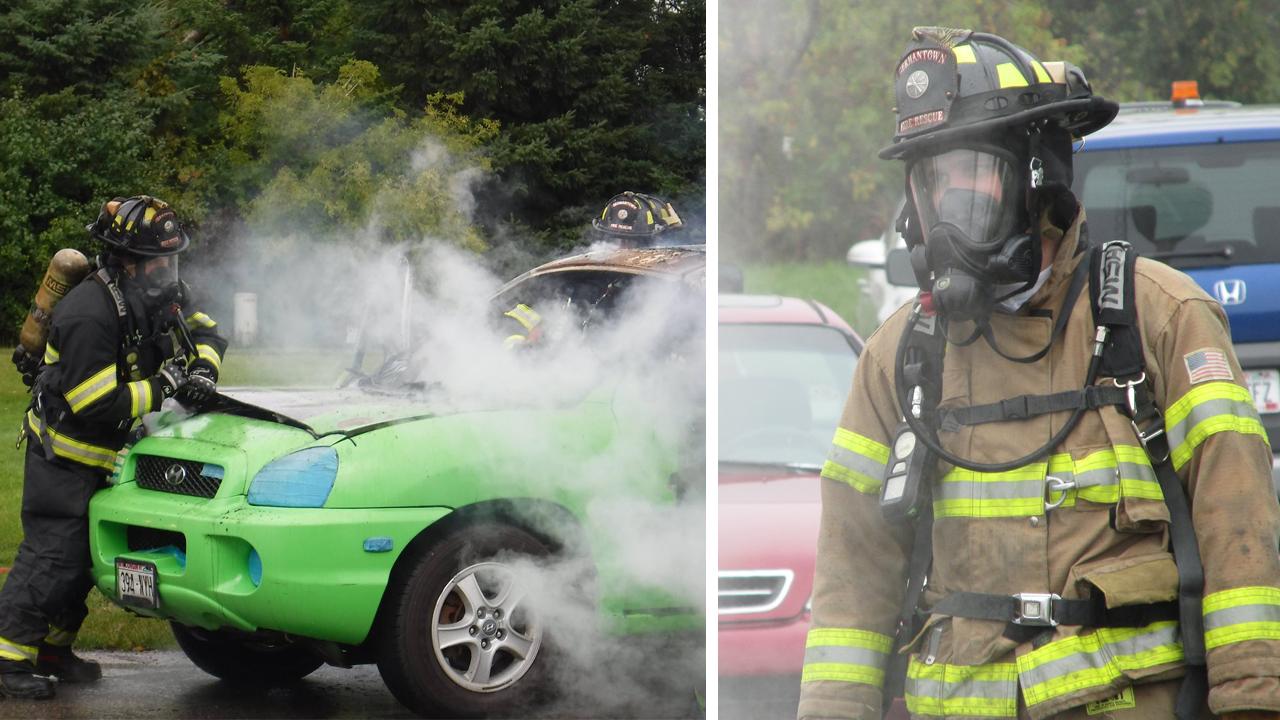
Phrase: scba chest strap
(1118,342)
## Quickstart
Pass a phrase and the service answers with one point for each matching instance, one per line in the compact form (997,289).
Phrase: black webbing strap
(1026,406)
(895,675)
(1111,291)
(1091,612)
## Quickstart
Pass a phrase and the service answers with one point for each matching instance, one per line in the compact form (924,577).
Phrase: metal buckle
(1144,437)
(1053,485)
(1035,609)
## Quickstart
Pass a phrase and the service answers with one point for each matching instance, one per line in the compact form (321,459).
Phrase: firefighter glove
(172,379)
(199,387)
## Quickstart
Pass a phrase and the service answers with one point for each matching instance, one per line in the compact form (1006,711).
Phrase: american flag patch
(1208,364)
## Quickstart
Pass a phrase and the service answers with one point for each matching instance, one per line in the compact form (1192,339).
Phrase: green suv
(452,541)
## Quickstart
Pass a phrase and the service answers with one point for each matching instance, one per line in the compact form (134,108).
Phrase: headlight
(300,479)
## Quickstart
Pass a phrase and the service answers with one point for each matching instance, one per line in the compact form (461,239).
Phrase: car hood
(324,411)
(769,521)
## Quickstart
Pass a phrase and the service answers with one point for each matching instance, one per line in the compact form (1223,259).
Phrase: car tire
(447,601)
(240,660)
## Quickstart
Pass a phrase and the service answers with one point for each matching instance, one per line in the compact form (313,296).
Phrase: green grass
(833,284)
(107,625)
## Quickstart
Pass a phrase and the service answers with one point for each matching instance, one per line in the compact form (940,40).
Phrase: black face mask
(975,230)
(160,287)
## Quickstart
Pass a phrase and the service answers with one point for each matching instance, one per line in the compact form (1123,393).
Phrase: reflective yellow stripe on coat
(1101,477)
(63,446)
(51,355)
(846,655)
(983,690)
(1096,660)
(1207,409)
(99,385)
(856,460)
(210,354)
(1251,613)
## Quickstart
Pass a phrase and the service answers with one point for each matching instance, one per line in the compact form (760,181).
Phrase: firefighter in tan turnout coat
(1054,584)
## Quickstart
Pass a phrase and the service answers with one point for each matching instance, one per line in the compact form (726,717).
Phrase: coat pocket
(1129,580)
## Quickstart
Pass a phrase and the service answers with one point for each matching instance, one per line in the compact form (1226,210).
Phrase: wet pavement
(164,684)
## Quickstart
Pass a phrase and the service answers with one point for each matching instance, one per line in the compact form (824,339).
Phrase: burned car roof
(684,262)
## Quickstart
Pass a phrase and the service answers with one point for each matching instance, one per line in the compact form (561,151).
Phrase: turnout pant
(44,595)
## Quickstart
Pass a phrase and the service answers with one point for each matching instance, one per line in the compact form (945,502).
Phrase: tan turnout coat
(993,535)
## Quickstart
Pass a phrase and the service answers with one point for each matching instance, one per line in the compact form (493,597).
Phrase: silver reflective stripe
(1219,619)
(92,389)
(60,637)
(845,656)
(1103,659)
(856,462)
(941,690)
(14,651)
(1206,410)
(991,489)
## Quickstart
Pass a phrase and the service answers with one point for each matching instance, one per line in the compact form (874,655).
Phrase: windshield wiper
(798,467)
(1225,252)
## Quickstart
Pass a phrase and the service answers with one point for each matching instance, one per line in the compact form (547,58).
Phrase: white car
(871,255)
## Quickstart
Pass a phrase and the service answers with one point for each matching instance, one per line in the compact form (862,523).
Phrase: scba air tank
(67,268)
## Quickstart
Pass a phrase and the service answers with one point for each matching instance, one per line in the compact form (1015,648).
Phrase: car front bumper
(768,647)
(317,580)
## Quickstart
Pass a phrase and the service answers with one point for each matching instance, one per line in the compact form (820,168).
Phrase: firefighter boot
(24,685)
(60,662)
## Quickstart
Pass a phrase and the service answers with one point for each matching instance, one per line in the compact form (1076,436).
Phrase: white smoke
(645,347)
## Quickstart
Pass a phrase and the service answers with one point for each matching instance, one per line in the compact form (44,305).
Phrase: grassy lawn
(108,626)
(833,284)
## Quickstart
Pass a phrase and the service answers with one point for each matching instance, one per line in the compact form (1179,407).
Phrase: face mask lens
(162,275)
(971,190)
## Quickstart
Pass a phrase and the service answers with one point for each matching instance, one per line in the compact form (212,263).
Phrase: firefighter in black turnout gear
(121,342)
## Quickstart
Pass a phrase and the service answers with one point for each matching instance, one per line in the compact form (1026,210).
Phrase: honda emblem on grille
(175,475)
(1229,292)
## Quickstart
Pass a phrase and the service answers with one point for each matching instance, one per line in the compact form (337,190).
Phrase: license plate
(1265,386)
(136,583)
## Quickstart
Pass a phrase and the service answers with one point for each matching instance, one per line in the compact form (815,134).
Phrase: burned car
(403,518)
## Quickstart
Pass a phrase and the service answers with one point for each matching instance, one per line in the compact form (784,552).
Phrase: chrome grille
(150,473)
(752,591)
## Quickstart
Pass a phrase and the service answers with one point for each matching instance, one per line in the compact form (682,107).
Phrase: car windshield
(1189,206)
(782,389)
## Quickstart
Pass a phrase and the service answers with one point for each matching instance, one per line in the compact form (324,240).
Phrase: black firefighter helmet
(636,217)
(951,85)
(986,131)
(140,226)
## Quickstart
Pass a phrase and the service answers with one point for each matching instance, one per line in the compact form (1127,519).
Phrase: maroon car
(785,367)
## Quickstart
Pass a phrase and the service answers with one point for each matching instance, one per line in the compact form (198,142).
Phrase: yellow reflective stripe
(10,650)
(973,691)
(845,655)
(848,637)
(1021,492)
(1250,613)
(50,354)
(524,315)
(207,352)
(856,460)
(512,341)
(1042,75)
(1207,409)
(1010,76)
(1096,660)
(58,636)
(64,446)
(98,385)
(199,319)
(964,54)
(139,397)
